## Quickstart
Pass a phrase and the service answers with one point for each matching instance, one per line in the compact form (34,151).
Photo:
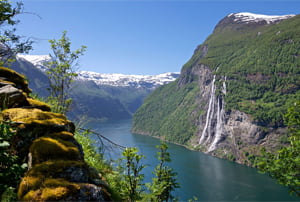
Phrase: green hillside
(261,64)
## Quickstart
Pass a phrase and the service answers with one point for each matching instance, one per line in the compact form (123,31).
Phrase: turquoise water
(206,177)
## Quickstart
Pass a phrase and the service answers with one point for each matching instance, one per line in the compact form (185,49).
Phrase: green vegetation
(126,180)
(11,43)
(61,72)
(165,181)
(262,68)
(11,168)
(169,113)
(284,165)
(132,178)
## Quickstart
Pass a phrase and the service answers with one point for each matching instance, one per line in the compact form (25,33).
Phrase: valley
(95,96)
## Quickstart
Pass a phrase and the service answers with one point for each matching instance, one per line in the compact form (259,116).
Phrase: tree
(133,179)
(11,43)
(61,72)
(284,165)
(165,181)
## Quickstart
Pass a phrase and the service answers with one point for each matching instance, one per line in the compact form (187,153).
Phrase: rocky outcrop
(57,170)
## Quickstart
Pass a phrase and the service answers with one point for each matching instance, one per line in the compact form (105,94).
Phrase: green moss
(46,148)
(54,167)
(29,183)
(38,104)
(16,78)
(48,189)
(38,119)
(64,135)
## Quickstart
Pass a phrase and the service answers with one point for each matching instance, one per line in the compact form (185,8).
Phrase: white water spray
(210,112)
(215,118)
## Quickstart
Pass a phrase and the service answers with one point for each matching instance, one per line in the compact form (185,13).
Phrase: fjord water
(206,177)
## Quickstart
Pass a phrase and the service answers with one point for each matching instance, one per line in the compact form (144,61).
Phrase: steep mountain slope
(95,95)
(231,96)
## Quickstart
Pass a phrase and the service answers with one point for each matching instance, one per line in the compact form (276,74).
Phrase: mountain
(231,96)
(95,95)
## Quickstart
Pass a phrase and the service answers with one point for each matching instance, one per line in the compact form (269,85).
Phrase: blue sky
(135,36)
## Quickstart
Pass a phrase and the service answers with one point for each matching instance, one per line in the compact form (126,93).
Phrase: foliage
(61,72)
(10,42)
(126,179)
(168,113)
(93,157)
(284,165)
(165,181)
(132,178)
(11,169)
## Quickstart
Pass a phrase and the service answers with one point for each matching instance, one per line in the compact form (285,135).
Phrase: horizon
(134,37)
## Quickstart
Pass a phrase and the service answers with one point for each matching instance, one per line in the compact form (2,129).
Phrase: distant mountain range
(95,95)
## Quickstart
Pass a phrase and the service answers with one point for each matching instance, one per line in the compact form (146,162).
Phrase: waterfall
(210,112)
(213,129)
(219,125)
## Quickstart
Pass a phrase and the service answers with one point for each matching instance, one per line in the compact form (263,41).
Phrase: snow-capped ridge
(37,60)
(247,17)
(138,81)
(117,80)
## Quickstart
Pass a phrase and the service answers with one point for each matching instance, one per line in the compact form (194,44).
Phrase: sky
(134,36)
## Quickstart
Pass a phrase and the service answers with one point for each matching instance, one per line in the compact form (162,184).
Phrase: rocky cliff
(232,94)
(57,170)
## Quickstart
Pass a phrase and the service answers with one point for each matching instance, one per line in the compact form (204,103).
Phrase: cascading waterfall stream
(210,112)
(213,128)
(220,119)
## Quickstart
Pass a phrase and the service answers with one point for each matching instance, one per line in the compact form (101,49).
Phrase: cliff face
(230,134)
(232,94)
(57,170)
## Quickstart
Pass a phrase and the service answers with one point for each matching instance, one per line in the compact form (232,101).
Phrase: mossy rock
(74,171)
(48,121)
(31,124)
(61,180)
(58,189)
(63,135)
(67,136)
(39,105)
(18,79)
(46,148)
(46,189)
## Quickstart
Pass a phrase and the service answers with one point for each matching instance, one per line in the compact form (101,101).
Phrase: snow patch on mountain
(37,60)
(254,18)
(118,80)
(137,81)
